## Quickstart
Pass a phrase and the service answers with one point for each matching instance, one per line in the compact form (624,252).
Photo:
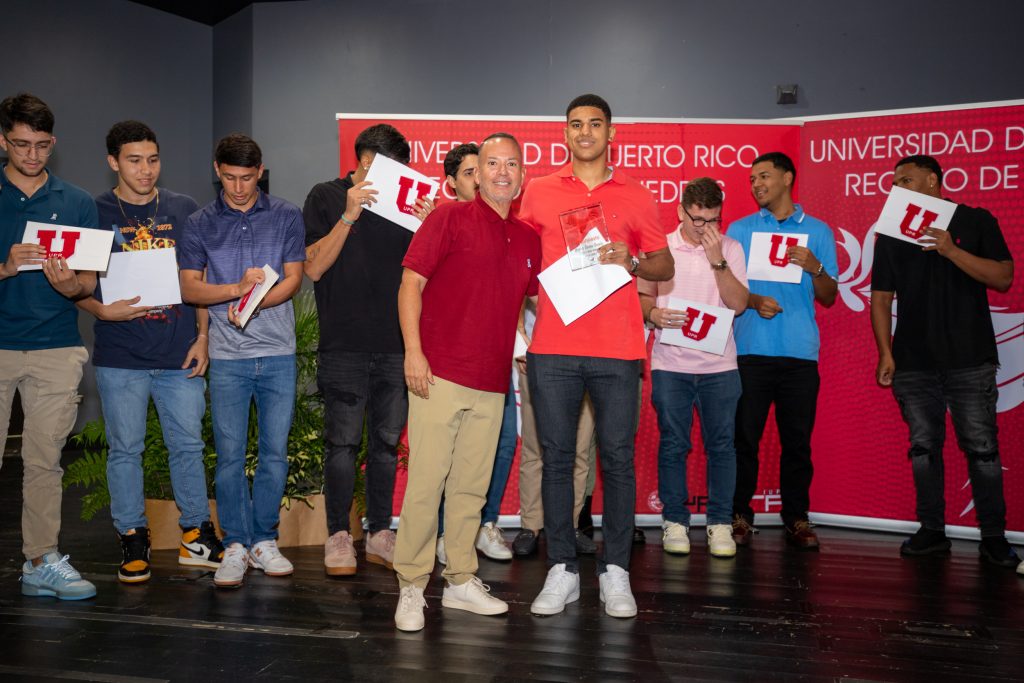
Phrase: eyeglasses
(23,147)
(701,222)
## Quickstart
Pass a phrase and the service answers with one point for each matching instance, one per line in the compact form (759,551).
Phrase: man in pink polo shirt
(467,272)
(600,353)
(710,269)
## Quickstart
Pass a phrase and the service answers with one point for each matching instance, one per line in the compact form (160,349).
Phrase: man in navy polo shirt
(778,350)
(231,239)
(142,352)
(458,344)
(41,352)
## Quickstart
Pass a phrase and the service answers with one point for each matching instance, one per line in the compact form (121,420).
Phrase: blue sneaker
(55,578)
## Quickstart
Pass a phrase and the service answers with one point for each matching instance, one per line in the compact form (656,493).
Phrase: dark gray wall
(102,61)
(666,58)
(233,75)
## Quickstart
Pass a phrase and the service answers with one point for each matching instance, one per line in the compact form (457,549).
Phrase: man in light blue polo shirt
(778,350)
(231,239)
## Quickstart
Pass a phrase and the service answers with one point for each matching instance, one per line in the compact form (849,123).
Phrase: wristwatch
(721,265)
(634,265)
(820,271)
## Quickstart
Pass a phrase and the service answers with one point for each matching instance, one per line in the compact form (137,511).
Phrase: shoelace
(493,534)
(388,539)
(234,556)
(619,582)
(337,542)
(554,582)
(64,569)
(411,599)
(270,551)
(744,524)
(480,584)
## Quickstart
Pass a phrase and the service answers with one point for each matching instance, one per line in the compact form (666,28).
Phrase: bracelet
(346,221)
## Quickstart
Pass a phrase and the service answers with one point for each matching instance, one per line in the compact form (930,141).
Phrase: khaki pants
(452,438)
(47,381)
(531,508)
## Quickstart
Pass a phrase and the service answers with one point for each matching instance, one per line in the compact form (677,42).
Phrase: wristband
(346,221)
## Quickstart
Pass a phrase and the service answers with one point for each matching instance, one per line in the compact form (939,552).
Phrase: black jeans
(358,386)
(970,394)
(792,385)
(557,385)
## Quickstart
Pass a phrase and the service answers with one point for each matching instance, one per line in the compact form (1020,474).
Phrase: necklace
(149,221)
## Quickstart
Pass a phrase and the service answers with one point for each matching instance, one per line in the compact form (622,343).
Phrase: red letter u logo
(906,227)
(68,240)
(405,190)
(696,331)
(777,254)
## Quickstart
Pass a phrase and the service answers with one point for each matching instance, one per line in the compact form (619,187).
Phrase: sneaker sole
(339,571)
(995,562)
(377,559)
(453,603)
(409,628)
(548,611)
(197,562)
(141,578)
(723,553)
(228,584)
(496,558)
(676,550)
(35,592)
(938,549)
(288,572)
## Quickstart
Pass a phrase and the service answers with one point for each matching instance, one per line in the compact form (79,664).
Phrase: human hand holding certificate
(82,248)
(706,329)
(769,259)
(251,300)
(574,292)
(398,187)
(907,214)
(151,274)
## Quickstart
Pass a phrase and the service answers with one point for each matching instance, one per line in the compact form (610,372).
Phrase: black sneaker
(585,544)
(639,537)
(525,542)
(135,552)
(926,542)
(200,547)
(996,550)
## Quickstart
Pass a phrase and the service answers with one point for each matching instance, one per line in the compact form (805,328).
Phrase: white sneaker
(560,588)
(675,538)
(265,555)
(615,592)
(491,543)
(442,556)
(720,541)
(232,567)
(409,613)
(473,596)
(1020,568)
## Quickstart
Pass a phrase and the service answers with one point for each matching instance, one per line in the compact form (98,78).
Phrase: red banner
(859,442)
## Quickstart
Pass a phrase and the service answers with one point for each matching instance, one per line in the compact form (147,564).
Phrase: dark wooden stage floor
(855,611)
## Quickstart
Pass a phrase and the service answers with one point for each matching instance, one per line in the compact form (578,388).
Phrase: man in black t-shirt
(142,352)
(943,356)
(354,258)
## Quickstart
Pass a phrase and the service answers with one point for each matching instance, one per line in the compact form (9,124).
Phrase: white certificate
(520,347)
(706,330)
(574,292)
(768,259)
(150,273)
(906,214)
(398,187)
(82,248)
(247,305)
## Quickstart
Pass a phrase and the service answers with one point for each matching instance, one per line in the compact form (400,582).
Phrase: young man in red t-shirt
(600,353)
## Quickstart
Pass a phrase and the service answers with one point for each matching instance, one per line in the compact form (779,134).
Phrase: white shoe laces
(411,599)
(235,556)
(63,569)
(269,551)
(338,542)
(493,534)
(558,580)
(618,583)
(386,537)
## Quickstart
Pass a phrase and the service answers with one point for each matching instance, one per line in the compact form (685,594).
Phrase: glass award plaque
(585,232)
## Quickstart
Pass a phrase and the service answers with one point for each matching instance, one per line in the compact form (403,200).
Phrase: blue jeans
(245,517)
(360,387)
(970,394)
(503,457)
(674,395)
(557,385)
(180,403)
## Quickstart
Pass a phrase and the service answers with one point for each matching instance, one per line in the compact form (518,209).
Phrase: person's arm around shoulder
(410,304)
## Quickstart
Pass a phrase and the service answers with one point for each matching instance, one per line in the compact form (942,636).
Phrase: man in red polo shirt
(466,273)
(600,353)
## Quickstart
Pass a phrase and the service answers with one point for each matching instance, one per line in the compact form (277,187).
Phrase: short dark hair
(453,159)
(778,160)
(503,136)
(238,150)
(125,132)
(27,109)
(703,192)
(383,139)
(590,100)
(922,161)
